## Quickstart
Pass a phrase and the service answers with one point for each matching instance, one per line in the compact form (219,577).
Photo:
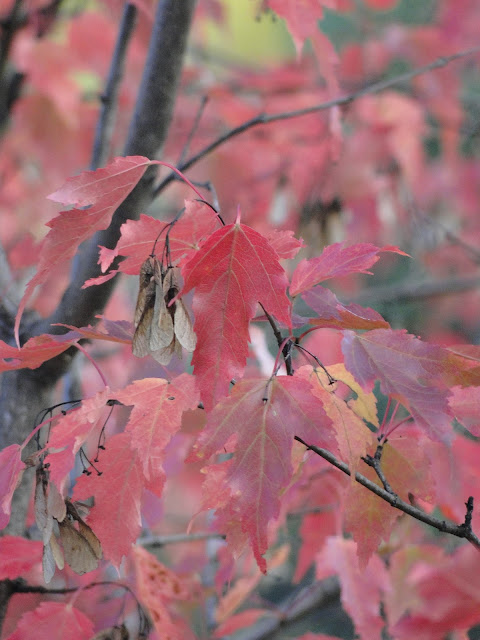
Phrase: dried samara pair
(161,330)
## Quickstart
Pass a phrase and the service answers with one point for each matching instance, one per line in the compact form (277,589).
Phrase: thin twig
(265,118)
(286,348)
(109,99)
(460,531)
(412,291)
(175,538)
(193,130)
(375,462)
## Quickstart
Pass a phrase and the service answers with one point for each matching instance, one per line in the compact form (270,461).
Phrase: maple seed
(162,328)
(81,547)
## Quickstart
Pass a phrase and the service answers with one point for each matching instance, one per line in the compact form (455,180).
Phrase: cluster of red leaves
(243,435)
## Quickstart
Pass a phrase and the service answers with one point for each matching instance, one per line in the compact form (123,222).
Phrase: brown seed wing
(183,327)
(164,355)
(141,338)
(144,291)
(91,538)
(161,334)
(78,553)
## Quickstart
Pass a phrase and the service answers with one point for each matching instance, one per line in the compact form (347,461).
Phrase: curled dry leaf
(162,327)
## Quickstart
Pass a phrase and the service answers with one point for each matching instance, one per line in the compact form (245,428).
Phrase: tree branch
(109,98)
(311,598)
(175,538)
(265,118)
(147,135)
(412,291)
(463,530)
(286,348)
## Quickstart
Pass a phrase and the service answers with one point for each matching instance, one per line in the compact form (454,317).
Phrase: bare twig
(265,118)
(109,99)
(286,348)
(375,462)
(411,291)
(175,538)
(193,130)
(463,530)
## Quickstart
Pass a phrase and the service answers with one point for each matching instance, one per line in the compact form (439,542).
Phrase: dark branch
(265,118)
(147,135)
(286,348)
(375,462)
(412,291)
(460,531)
(176,538)
(109,99)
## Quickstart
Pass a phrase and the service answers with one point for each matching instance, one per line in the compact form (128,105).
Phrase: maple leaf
(358,586)
(365,403)
(101,191)
(234,270)
(157,586)
(465,405)
(351,433)
(434,612)
(18,556)
(11,471)
(156,417)
(284,243)
(71,431)
(301,16)
(115,517)
(369,518)
(138,237)
(408,369)
(110,330)
(33,353)
(270,414)
(54,621)
(335,315)
(336,261)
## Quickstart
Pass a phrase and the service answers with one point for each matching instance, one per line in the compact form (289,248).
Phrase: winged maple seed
(162,328)
(81,547)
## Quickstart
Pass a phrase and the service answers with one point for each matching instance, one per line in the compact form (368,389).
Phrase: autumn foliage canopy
(285,383)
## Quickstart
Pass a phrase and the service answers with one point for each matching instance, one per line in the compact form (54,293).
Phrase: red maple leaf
(335,315)
(18,556)
(54,621)
(234,270)
(71,431)
(263,416)
(358,586)
(408,369)
(138,237)
(100,192)
(115,517)
(335,261)
(33,353)
(11,470)
(156,417)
